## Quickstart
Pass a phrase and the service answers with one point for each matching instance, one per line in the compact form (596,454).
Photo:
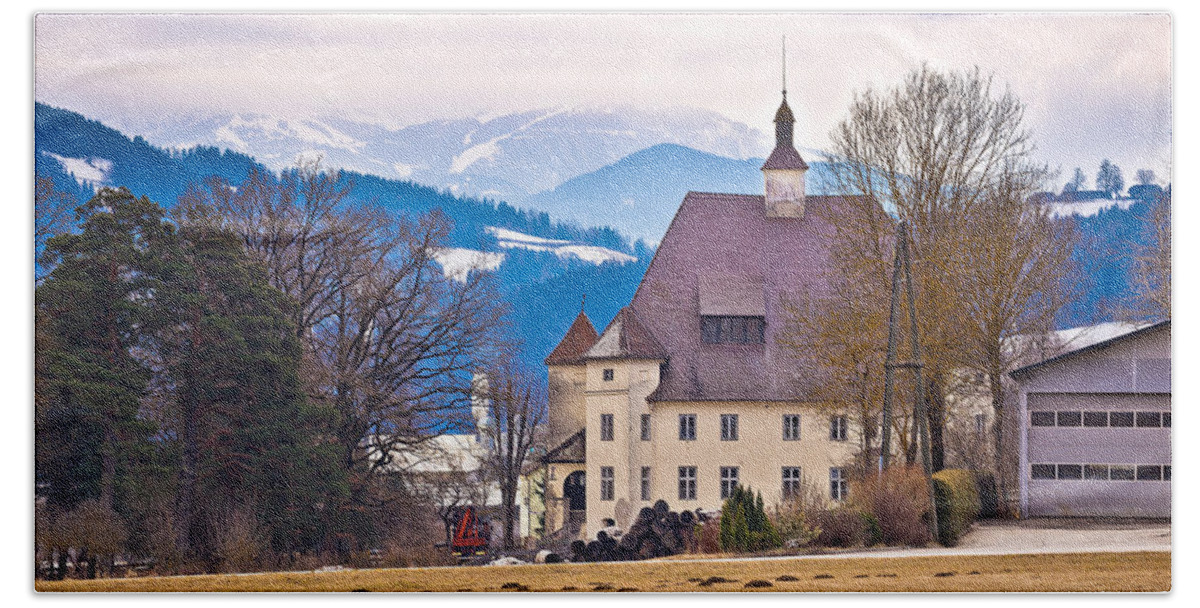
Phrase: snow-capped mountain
(506,157)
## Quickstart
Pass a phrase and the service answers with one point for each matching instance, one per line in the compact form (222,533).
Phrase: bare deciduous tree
(516,402)
(1152,265)
(53,211)
(950,155)
(1013,282)
(390,341)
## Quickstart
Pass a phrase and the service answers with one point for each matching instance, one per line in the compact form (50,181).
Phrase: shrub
(872,532)
(840,527)
(898,500)
(796,518)
(744,524)
(989,498)
(957,503)
(708,536)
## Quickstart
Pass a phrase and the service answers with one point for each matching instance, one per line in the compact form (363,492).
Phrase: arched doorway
(575,495)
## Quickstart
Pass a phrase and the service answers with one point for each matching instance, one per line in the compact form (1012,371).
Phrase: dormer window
(727,329)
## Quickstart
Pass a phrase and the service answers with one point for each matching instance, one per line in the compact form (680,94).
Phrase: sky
(1096,85)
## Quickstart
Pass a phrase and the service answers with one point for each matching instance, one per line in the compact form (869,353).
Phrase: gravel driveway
(1032,536)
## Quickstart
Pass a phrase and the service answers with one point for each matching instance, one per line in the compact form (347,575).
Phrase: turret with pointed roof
(580,337)
(784,170)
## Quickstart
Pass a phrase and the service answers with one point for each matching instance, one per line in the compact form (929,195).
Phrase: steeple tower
(783,173)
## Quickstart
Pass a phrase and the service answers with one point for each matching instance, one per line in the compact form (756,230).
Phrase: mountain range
(591,233)
(507,157)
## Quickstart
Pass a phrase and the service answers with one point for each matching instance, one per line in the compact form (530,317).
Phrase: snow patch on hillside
(86,171)
(485,150)
(271,128)
(457,262)
(511,239)
(1090,207)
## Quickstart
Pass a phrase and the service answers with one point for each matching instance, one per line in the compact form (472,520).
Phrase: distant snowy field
(458,262)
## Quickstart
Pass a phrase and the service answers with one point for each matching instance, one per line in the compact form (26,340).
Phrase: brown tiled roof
(627,338)
(715,236)
(580,337)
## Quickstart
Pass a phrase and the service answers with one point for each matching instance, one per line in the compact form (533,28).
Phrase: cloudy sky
(1096,85)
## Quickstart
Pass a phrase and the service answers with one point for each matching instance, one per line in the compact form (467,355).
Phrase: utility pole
(902,263)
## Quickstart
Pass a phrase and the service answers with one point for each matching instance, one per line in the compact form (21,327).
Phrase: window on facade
(606,427)
(791,427)
(606,483)
(732,330)
(729,481)
(1070,471)
(1042,471)
(645,427)
(1149,419)
(687,483)
(1095,419)
(1149,472)
(1095,472)
(729,427)
(645,483)
(838,483)
(687,427)
(837,428)
(1042,418)
(608,374)
(791,482)
(1167,419)
(1120,472)
(1166,472)
(1070,419)
(1122,419)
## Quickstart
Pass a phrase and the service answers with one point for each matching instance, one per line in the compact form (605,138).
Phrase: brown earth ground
(1135,571)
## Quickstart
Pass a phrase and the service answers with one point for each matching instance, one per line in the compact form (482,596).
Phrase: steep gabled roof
(627,338)
(717,245)
(580,337)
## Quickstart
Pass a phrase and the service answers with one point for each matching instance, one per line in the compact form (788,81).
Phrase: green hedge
(957,503)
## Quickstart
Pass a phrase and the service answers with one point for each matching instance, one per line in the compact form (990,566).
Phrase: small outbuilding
(1095,429)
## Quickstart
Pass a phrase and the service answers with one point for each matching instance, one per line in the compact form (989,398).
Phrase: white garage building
(1095,429)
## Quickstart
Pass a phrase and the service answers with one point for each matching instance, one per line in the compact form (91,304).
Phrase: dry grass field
(1147,571)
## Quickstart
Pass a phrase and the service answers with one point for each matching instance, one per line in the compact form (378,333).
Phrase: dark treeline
(225,389)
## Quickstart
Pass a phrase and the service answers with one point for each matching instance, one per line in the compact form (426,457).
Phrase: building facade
(688,393)
(1095,429)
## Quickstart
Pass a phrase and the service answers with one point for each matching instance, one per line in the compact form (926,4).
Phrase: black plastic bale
(645,516)
(554,558)
(602,537)
(660,526)
(672,543)
(578,549)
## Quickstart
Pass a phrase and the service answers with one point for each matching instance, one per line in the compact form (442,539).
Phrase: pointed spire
(784,170)
(785,68)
